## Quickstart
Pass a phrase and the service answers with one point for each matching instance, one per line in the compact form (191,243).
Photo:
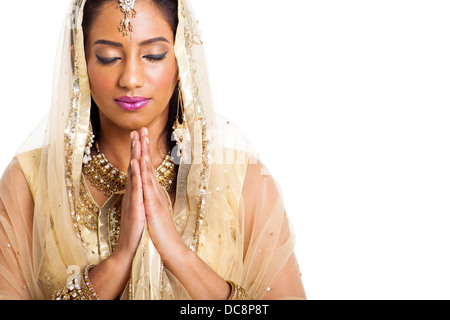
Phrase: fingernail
(146,139)
(146,159)
(132,135)
(146,131)
(134,143)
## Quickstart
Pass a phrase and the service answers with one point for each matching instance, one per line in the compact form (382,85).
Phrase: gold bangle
(237,292)
(79,288)
(90,291)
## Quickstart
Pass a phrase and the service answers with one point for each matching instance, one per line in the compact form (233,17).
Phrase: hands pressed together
(146,205)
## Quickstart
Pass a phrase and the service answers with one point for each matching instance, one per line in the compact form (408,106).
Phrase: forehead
(149,22)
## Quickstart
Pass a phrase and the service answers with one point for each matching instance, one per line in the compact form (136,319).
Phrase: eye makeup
(150,57)
(156,57)
(106,61)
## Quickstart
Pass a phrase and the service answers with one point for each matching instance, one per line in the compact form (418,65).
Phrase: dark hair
(169,9)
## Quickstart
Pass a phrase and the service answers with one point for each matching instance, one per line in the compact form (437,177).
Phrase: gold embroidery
(192,39)
(87,211)
(114,222)
(69,143)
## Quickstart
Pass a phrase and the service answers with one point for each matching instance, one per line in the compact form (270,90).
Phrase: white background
(347,103)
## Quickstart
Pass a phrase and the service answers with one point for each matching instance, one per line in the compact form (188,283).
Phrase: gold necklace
(108,179)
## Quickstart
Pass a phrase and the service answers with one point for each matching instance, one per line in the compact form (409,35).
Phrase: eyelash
(150,57)
(106,61)
(156,57)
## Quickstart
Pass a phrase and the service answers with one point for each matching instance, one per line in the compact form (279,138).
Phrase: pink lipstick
(132,103)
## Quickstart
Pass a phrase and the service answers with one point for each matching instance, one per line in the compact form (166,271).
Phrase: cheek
(162,78)
(100,82)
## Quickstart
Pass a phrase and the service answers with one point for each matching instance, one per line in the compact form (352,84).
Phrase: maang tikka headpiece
(127,7)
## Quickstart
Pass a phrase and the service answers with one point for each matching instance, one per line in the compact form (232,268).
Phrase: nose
(132,76)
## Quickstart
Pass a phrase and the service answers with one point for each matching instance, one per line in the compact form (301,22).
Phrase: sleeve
(270,266)
(16,227)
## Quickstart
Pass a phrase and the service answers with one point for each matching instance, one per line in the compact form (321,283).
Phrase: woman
(132,145)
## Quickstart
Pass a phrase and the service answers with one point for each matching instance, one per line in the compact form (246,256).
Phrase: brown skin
(131,75)
(132,141)
(144,201)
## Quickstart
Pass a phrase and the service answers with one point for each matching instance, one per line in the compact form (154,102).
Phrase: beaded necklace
(108,179)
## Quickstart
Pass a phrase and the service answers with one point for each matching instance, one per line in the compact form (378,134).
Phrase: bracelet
(237,292)
(79,288)
(91,292)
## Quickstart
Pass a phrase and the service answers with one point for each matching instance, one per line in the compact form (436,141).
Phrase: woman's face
(141,65)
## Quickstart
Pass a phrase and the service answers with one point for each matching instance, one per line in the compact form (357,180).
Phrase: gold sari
(228,208)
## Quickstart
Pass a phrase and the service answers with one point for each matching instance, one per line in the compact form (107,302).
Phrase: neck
(114,143)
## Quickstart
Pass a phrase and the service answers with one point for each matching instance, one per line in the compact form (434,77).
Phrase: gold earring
(89,142)
(179,130)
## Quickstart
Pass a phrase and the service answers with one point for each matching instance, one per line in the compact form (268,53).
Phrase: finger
(134,155)
(132,143)
(147,163)
(136,182)
(143,131)
(148,188)
(145,143)
(137,150)
(135,146)
(134,150)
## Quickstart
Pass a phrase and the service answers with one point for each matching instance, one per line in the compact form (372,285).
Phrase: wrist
(177,255)
(122,255)
(108,279)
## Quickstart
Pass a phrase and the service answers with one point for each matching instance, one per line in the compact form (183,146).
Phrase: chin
(134,120)
(137,122)
(135,125)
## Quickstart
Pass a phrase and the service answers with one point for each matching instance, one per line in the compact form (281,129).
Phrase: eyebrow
(143,43)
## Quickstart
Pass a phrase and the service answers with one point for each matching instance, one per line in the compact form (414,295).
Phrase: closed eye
(156,57)
(106,61)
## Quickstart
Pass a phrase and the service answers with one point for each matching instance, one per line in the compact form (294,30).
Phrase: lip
(132,103)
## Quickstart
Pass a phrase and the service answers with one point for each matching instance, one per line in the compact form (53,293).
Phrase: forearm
(109,278)
(105,281)
(200,281)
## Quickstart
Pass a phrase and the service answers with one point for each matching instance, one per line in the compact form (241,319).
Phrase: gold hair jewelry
(127,7)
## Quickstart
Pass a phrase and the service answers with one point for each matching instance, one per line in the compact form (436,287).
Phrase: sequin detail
(191,40)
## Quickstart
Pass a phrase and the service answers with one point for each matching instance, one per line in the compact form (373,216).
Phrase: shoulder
(231,137)
(256,171)
(30,159)
(16,208)
(13,173)
(256,181)
(264,210)
(15,192)
(260,190)
(27,165)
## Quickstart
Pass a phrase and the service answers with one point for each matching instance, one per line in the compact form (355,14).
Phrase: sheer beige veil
(228,208)
(52,245)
